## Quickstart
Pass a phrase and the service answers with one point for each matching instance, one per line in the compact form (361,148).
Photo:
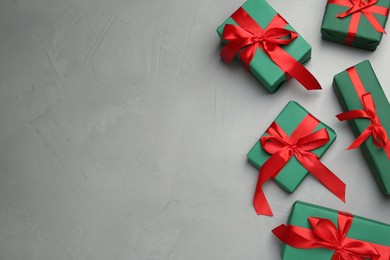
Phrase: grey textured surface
(124,136)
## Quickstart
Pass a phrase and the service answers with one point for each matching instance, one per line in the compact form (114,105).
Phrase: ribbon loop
(248,37)
(278,36)
(238,39)
(326,231)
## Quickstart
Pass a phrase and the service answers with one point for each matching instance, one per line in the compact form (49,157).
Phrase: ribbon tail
(269,170)
(293,68)
(361,138)
(323,174)
(352,114)
(260,202)
(374,22)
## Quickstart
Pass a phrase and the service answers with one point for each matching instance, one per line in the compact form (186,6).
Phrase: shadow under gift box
(262,67)
(293,172)
(336,29)
(361,229)
(346,93)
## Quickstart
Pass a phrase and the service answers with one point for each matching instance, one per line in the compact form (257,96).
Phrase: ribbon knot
(266,40)
(247,37)
(357,6)
(376,129)
(294,148)
(324,234)
(278,142)
(339,248)
(300,144)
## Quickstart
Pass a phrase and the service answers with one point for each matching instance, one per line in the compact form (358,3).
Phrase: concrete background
(124,136)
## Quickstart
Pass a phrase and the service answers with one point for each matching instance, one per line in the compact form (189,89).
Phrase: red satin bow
(300,144)
(249,37)
(375,129)
(357,7)
(324,234)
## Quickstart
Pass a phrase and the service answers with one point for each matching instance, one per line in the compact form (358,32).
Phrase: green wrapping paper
(293,172)
(346,93)
(336,29)
(261,66)
(361,229)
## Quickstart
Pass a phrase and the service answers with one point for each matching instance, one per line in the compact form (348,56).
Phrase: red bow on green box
(300,144)
(325,234)
(375,129)
(368,8)
(248,37)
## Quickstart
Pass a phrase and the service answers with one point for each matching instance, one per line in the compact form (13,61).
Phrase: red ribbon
(249,36)
(356,8)
(300,144)
(375,129)
(324,234)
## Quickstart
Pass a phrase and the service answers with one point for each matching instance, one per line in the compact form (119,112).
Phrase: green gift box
(362,34)
(293,172)
(341,229)
(261,66)
(347,94)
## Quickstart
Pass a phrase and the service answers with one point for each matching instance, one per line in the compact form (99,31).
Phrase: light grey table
(124,136)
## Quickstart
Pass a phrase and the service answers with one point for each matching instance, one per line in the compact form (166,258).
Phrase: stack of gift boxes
(291,148)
